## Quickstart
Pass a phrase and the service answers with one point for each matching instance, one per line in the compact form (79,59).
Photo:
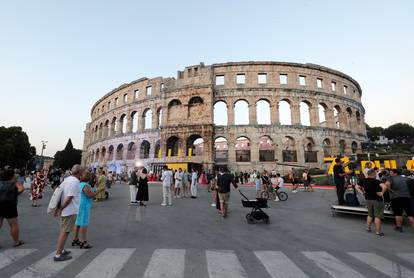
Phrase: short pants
(401,204)
(224,197)
(8,210)
(375,209)
(67,223)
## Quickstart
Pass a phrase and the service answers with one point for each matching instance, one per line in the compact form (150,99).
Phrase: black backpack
(8,191)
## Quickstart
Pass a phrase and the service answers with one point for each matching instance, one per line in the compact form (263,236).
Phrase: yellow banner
(175,166)
(169,153)
(179,153)
(190,153)
(159,153)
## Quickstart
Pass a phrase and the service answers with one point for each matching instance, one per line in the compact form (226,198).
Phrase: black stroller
(257,213)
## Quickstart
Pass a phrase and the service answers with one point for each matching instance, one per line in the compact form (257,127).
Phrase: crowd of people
(376,189)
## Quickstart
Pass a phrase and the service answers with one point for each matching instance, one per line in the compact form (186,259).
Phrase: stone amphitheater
(241,115)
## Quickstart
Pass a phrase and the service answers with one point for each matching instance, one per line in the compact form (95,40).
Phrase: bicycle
(272,193)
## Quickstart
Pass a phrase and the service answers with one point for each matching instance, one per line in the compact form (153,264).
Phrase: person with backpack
(9,190)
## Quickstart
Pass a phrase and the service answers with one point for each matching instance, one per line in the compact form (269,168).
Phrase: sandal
(85,245)
(76,242)
(19,243)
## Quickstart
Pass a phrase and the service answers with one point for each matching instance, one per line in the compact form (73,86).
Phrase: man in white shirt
(194,177)
(68,210)
(167,177)
(280,183)
(178,183)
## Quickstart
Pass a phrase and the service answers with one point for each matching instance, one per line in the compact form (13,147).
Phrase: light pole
(41,154)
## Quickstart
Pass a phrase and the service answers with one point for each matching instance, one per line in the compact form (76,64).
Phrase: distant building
(382,140)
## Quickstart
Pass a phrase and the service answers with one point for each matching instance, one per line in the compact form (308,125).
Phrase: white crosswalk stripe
(224,264)
(278,265)
(46,267)
(332,265)
(108,263)
(409,257)
(383,265)
(220,263)
(11,255)
(166,263)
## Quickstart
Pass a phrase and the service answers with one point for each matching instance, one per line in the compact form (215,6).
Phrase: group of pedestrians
(138,186)
(389,186)
(180,182)
(73,212)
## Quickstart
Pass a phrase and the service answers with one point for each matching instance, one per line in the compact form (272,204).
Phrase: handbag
(54,202)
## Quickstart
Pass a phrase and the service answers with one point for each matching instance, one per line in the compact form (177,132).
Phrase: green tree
(15,149)
(375,132)
(400,131)
(68,157)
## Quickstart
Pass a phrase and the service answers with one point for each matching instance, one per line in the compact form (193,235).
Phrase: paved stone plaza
(189,239)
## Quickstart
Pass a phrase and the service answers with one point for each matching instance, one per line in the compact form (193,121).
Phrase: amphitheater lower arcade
(247,115)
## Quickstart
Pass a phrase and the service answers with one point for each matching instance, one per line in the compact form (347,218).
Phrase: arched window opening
(131,151)
(195,101)
(221,150)
(147,119)
(114,125)
(263,112)
(337,112)
(135,120)
(220,113)
(124,124)
(111,153)
(354,147)
(195,145)
(327,147)
(172,146)
(106,129)
(119,152)
(358,117)
(144,149)
(342,146)
(266,149)
(322,109)
(157,149)
(289,153)
(159,117)
(304,108)
(174,109)
(311,155)
(242,149)
(103,155)
(241,112)
(97,155)
(285,115)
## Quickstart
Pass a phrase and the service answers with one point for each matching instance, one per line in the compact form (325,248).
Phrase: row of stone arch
(194,146)
(285,112)
(138,122)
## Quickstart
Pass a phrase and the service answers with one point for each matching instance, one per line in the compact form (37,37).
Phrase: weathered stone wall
(183,108)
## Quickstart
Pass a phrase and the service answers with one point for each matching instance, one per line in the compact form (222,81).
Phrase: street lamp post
(41,154)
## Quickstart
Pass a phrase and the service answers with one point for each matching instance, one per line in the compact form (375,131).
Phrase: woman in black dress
(142,194)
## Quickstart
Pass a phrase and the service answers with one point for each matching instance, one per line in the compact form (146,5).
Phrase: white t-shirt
(166,178)
(71,187)
(280,182)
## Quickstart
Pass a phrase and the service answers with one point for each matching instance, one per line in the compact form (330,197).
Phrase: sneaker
(213,205)
(380,234)
(65,252)
(276,200)
(163,204)
(61,258)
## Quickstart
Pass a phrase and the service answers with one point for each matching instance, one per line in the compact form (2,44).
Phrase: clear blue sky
(58,57)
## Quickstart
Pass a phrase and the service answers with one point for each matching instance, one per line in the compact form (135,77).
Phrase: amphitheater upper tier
(243,115)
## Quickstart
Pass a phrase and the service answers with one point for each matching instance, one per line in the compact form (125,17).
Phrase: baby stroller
(256,213)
